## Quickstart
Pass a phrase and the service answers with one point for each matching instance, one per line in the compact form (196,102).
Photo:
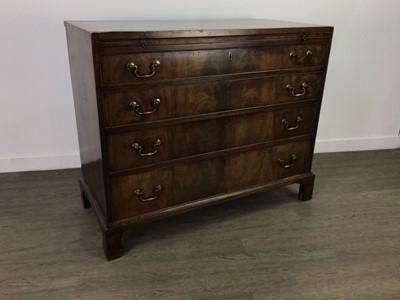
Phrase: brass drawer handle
(287,125)
(140,194)
(132,67)
(304,85)
(284,165)
(136,106)
(139,148)
(309,54)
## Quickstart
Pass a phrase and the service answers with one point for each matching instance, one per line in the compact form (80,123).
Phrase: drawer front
(291,159)
(154,190)
(176,141)
(256,128)
(248,169)
(123,108)
(295,120)
(259,59)
(147,67)
(198,180)
(138,148)
(173,65)
(273,90)
(299,87)
(198,137)
(140,193)
(249,129)
(174,101)
(139,105)
(307,55)
(257,167)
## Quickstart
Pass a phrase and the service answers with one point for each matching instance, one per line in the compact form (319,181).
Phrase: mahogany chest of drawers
(174,116)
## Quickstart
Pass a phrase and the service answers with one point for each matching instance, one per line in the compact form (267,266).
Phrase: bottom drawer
(257,167)
(136,194)
(154,190)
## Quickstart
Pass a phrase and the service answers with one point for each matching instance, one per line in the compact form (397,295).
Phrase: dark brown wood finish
(87,117)
(187,64)
(205,98)
(230,109)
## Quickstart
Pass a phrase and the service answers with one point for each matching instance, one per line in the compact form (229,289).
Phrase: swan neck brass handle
(288,127)
(136,107)
(140,194)
(132,67)
(284,165)
(139,148)
(304,86)
(293,54)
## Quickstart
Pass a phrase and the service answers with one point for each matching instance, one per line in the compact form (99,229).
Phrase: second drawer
(152,103)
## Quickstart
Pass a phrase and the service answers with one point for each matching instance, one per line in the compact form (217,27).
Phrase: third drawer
(145,147)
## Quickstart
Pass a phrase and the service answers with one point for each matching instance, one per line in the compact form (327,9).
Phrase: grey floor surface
(343,244)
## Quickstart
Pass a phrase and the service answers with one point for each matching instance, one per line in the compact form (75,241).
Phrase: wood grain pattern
(343,244)
(181,64)
(198,180)
(187,64)
(200,137)
(118,111)
(86,110)
(127,204)
(249,168)
(272,90)
(123,155)
(201,98)
(194,138)
(249,129)
(181,183)
(308,123)
(302,163)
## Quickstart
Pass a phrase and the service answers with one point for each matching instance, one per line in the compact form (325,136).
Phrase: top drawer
(150,66)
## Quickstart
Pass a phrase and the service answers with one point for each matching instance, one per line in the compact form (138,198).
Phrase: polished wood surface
(205,98)
(344,244)
(183,121)
(187,64)
(87,114)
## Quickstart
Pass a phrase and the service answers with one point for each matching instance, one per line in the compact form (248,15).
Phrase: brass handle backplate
(136,107)
(304,86)
(139,148)
(140,194)
(132,67)
(287,126)
(284,165)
